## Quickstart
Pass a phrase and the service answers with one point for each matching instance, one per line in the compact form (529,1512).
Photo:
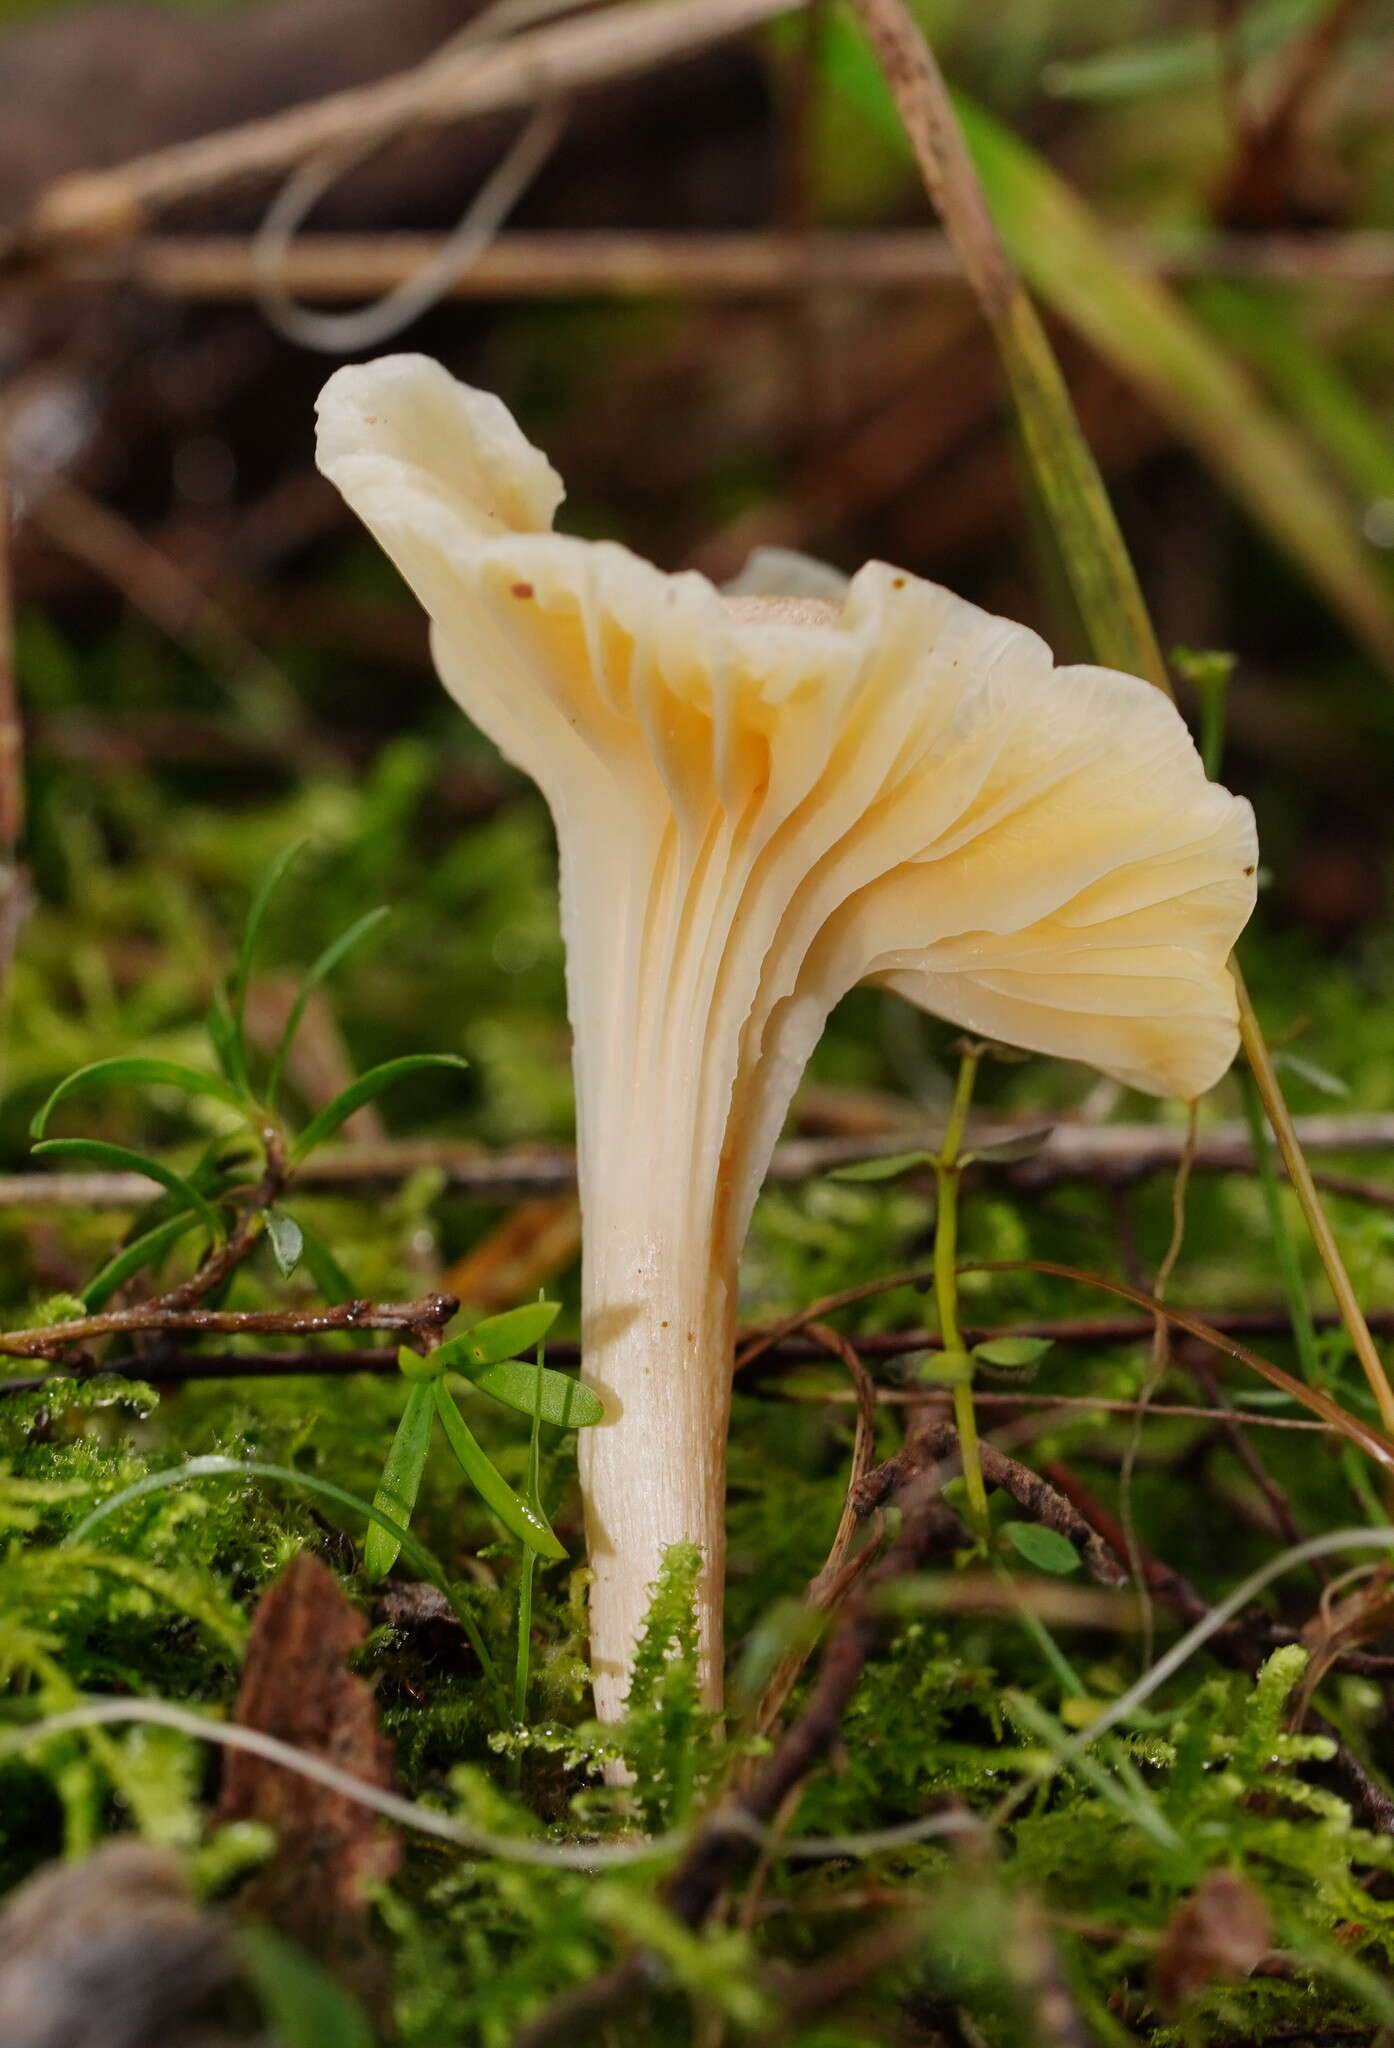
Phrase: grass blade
(216,1466)
(319,972)
(96,1152)
(152,1244)
(161,1073)
(1137,70)
(521,1520)
(304,2004)
(401,1481)
(251,931)
(363,1090)
(1260,322)
(1005,194)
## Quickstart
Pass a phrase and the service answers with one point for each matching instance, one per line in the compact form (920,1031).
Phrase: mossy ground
(138,882)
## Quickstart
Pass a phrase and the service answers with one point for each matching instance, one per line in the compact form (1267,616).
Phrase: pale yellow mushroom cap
(761,804)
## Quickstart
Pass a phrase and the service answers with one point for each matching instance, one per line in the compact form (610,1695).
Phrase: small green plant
(232,1194)
(485,1357)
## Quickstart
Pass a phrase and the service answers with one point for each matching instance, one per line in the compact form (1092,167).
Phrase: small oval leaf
(287,1240)
(1047,1549)
(885,1168)
(498,1337)
(1012,1353)
(560,1399)
(326,1272)
(401,1481)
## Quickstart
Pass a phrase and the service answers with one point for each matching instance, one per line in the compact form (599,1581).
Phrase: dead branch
(419,1318)
(1113,1155)
(541,64)
(1034,1495)
(328,268)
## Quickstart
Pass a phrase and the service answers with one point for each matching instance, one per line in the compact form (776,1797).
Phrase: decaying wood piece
(298,1685)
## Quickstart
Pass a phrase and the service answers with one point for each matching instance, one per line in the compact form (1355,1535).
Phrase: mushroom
(758,803)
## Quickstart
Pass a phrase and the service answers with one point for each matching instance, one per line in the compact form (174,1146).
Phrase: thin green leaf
(251,931)
(1139,69)
(1010,1149)
(319,972)
(517,1517)
(1091,548)
(401,1481)
(287,1240)
(226,1040)
(304,2005)
(161,1073)
(498,1337)
(1144,330)
(1308,1071)
(885,1168)
(1262,322)
(142,1251)
(363,1090)
(1140,327)
(1046,1549)
(96,1152)
(554,1396)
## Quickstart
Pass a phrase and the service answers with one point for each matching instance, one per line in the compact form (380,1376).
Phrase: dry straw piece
(760,802)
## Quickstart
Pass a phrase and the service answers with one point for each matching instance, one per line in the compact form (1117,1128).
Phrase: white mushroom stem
(660,985)
(657,1327)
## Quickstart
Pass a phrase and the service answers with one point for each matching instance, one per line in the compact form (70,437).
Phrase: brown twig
(1244,1642)
(938,1443)
(541,64)
(225,1258)
(429,1315)
(330,268)
(1109,1155)
(830,1586)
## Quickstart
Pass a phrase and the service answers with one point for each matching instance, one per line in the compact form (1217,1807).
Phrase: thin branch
(431,1313)
(1112,1155)
(331,269)
(1077,1331)
(541,64)
(1034,1495)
